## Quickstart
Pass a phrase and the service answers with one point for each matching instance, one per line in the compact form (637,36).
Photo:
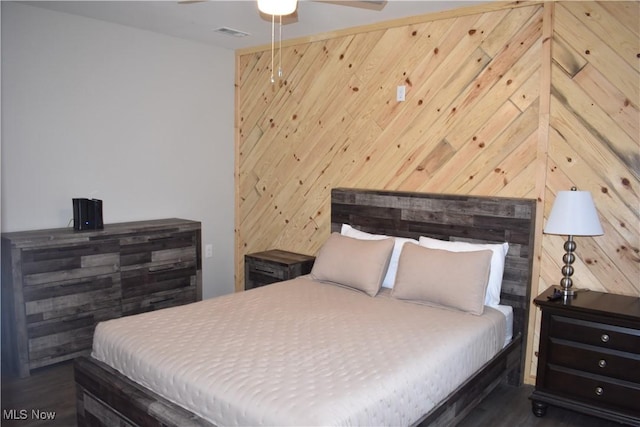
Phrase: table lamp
(572,214)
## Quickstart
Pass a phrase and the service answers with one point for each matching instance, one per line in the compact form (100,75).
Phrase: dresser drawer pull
(160,301)
(264,270)
(604,338)
(161,268)
(599,391)
(602,363)
(158,239)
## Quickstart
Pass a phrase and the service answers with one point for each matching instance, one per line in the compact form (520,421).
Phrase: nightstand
(263,268)
(589,355)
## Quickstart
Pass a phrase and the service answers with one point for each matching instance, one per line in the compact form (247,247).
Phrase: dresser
(589,355)
(263,268)
(57,284)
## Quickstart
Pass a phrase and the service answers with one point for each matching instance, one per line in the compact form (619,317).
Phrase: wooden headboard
(455,218)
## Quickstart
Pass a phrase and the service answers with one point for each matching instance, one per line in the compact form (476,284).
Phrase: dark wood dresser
(57,284)
(263,268)
(589,355)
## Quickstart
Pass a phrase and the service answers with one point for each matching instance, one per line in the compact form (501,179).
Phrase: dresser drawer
(158,247)
(49,301)
(67,291)
(610,363)
(595,389)
(159,300)
(150,279)
(61,316)
(57,263)
(597,334)
(158,270)
(158,286)
(64,338)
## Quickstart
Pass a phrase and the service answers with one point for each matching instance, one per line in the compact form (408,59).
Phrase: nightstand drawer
(593,333)
(594,388)
(610,363)
(263,268)
(262,271)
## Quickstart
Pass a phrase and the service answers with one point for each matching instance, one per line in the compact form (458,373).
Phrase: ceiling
(197,21)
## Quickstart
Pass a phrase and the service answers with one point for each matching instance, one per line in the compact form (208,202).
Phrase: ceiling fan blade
(291,18)
(362,4)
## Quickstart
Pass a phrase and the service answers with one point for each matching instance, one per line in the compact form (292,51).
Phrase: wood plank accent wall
(517,100)
(594,143)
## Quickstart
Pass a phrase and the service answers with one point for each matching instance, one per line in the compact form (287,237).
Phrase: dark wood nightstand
(263,268)
(589,356)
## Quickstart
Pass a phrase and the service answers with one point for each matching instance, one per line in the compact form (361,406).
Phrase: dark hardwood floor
(509,406)
(51,391)
(47,391)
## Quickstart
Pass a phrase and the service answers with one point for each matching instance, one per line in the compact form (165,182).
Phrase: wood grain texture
(263,268)
(334,120)
(509,101)
(58,284)
(594,142)
(449,217)
(142,407)
(52,389)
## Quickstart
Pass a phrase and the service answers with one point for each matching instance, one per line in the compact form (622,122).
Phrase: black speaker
(87,214)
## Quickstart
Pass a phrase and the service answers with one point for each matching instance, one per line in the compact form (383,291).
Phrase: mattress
(302,352)
(507,312)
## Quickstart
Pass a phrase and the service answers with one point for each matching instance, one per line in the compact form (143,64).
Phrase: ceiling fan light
(277,7)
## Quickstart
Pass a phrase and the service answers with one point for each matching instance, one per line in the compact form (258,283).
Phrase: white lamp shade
(277,7)
(574,214)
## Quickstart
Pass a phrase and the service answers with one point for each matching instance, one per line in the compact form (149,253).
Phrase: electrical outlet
(208,250)
(400,93)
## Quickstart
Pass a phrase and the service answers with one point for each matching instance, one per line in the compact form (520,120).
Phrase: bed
(257,375)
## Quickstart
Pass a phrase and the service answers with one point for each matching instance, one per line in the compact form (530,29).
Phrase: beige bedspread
(302,353)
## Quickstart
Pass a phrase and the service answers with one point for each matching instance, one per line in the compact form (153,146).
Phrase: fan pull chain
(280,73)
(273,31)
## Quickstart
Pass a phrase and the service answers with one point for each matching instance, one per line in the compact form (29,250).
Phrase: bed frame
(105,397)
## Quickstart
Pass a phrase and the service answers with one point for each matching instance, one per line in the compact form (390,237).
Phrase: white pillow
(492,297)
(390,277)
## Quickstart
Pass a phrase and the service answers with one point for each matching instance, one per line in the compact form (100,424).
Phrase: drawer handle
(262,270)
(161,301)
(159,239)
(604,338)
(599,391)
(602,363)
(68,285)
(161,268)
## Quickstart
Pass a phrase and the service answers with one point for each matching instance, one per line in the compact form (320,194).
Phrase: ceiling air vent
(231,32)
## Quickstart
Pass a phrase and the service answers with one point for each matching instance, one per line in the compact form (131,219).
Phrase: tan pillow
(452,279)
(359,264)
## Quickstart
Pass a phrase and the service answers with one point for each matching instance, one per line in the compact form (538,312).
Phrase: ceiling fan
(286,13)
(267,8)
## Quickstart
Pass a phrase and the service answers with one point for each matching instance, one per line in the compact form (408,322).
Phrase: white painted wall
(140,120)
